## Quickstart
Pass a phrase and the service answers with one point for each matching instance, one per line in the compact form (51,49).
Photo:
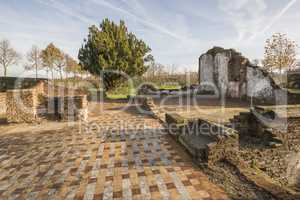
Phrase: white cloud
(66,10)
(247,16)
(274,19)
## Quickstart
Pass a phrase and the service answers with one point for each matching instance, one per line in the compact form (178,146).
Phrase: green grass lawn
(169,87)
(295,91)
(123,92)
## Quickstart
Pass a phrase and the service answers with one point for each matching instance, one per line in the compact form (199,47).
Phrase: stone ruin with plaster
(28,101)
(230,74)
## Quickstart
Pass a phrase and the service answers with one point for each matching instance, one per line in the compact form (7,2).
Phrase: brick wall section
(148,107)
(69,108)
(12,83)
(2,103)
(75,108)
(223,148)
(21,106)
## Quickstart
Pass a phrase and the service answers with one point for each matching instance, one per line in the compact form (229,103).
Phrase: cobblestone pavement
(134,161)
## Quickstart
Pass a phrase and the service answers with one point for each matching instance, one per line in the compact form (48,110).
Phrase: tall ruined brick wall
(21,106)
(260,84)
(2,102)
(234,75)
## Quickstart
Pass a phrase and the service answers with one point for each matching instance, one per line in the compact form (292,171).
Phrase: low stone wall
(208,142)
(95,95)
(75,108)
(293,98)
(12,83)
(21,106)
(2,103)
(68,108)
(148,106)
(43,101)
(261,123)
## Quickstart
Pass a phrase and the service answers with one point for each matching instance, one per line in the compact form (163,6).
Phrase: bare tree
(52,57)
(173,69)
(71,65)
(34,60)
(8,56)
(255,62)
(60,64)
(280,53)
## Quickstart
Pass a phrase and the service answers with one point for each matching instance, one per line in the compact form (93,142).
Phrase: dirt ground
(209,109)
(274,162)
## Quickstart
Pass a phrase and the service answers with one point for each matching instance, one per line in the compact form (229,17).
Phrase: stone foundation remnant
(234,76)
(43,101)
(207,142)
(21,106)
(2,103)
(68,108)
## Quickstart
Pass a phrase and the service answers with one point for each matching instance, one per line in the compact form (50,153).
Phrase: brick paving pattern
(111,162)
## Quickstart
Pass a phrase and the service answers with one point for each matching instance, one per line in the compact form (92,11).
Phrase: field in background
(295,91)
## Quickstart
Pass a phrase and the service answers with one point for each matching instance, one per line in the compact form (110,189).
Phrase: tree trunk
(36,72)
(60,72)
(47,72)
(52,74)
(5,71)
(281,75)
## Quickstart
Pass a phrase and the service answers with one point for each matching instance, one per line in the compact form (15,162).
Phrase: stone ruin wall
(12,83)
(259,84)
(217,143)
(234,76)
(21,106)
(2,103)
(69,108)
(224,145)
(33,105)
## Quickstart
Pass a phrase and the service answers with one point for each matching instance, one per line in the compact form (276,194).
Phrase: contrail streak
(275,19)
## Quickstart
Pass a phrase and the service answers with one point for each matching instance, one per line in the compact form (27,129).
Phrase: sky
(178,31)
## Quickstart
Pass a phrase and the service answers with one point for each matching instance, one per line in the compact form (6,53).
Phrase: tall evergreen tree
(110,48)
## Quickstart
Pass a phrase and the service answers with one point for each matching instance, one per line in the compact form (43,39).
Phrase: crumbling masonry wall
(206,141)
(68,108)
(234,76)
(2,103)
(21,106)
(35,104)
